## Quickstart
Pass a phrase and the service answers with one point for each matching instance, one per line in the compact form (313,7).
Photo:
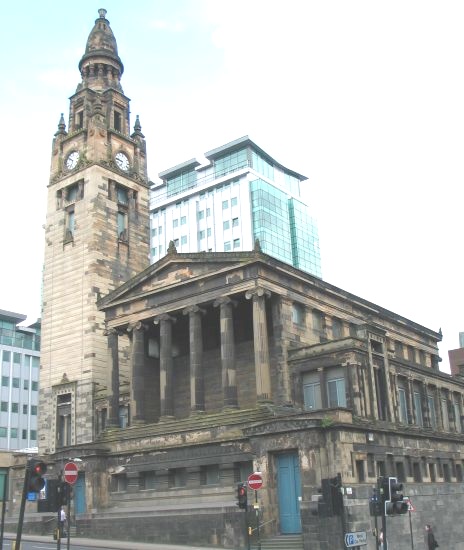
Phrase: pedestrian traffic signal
(242,496)
(62,493)
(394,504)
(36,469)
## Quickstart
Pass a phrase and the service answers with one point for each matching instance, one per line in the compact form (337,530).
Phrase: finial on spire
(61,126)
(137,128)
(102,13)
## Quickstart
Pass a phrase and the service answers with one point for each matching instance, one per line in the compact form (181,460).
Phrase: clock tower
(96,238)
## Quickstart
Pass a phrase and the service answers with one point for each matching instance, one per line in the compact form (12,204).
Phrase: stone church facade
(173,382)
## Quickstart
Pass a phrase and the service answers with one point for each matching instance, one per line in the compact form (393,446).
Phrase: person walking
(63,522)
(430,538)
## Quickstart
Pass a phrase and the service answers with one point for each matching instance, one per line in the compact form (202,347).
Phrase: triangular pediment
(175,269)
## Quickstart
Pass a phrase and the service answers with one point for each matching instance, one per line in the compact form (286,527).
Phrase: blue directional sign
(355,539)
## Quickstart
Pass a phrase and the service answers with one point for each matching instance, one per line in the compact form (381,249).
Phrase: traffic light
(395,504)
(242,496)
(36,469)
(62,493)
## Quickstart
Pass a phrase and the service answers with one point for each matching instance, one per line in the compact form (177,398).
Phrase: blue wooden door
(289,487)
(79,494)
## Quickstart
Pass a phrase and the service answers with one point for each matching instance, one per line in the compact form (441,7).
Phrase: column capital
(163,317)
(114,331)
(193,309)
(137,325)
(257,292)
(224,301)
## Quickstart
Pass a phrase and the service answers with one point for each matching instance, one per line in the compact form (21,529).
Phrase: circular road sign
(255,481)
(70,472)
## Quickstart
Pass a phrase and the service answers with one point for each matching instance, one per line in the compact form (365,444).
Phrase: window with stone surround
(119,483)
(209,475)
(148,480)
(63,424)
(177,477)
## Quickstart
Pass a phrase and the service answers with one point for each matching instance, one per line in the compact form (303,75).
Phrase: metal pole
(69,517)
(384,530)
(248,528)
(2,530)
(22,508)
(410,529)
(58,522)
(257,519)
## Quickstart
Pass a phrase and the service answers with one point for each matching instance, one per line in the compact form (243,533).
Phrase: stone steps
(280,542)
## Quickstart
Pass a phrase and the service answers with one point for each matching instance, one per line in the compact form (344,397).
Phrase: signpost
(70,472)
(410,509)
(355,539)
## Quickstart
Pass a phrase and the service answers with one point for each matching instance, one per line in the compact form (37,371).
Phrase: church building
(171,383)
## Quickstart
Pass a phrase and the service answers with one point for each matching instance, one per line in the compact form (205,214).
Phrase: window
(318,323)
(154,232)
(418,409)
(5,381)
(208,232)
(183,220)
(457,416)
(4,406)
(360,470)
(122,226)
(26,384)
(177,477)
(160,230)
(225,205)
(117,121)
(63,428)
(33,435)
(337,328)
(148,480)
(176,242)
(298,314)
(446,472)
(403,405)
(14,407)
(233,201)
(16,382)
(236,243)
(34,386)
(336,392)
(183,239)
(119,483)
(201,234)
(201,214)
(175,222)
(34,410)
(234,222)
(432,412)
(226,225)
(444,412)
(312,396)
(25,409)
(13,433)
(2,432)
(123,416)
(122,195)
(227,246)
(208,212)
(79,120)
(70,224)
(209,475)
(24,434)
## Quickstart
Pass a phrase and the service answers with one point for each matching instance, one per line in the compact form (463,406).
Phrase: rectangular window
(34,410)
(418,409)
(14,407)
(5,381)
(444,412)
(312,396)
(24,434)
(360,470)
(234,222)
(201,234)
(337,328)
(183,239)
(336,392)
(26,384)
(176,242)
(160,230)
(154,232)
(16,382)
(208,232)
(148,480)
(457,415)
(225,205)
(70,224)
(117,121)
(236,243)
(2,432)
(209,475)
(4,406)
(227,246)
(233,201)
(183,220)
(432,412)
(208,212)
(122,226)
(25,409)
(175,223)
(33,435)
(177,477)
(226,225)
(403,405)
(298,314)
(119,483)
(122,195)
(34,386)
(13,433)
(201,214)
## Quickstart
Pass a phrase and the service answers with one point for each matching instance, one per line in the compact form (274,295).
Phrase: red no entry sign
(70,472)
(255,481)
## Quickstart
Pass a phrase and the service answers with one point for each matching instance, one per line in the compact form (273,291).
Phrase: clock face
(122,161)
(72,160)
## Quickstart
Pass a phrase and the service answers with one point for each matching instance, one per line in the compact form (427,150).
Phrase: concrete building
(174,381)
(20,357)
(240,195)
(456,358)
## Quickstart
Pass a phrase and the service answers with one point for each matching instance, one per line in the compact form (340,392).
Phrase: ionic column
(138,374)
(166,365)
(410,396)
(229,370)
(261,344)
(197,386)
(323,387)
(113,378)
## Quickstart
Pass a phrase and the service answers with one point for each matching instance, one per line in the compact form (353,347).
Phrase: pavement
(111,544)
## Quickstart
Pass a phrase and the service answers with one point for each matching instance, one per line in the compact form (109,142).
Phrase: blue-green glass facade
(284,227)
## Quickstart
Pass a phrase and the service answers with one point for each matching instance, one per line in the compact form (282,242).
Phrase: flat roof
(11,316)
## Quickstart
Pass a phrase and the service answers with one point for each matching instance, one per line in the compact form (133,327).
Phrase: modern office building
(20,357)
(241,194)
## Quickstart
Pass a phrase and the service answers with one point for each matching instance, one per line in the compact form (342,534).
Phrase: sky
(363,97)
